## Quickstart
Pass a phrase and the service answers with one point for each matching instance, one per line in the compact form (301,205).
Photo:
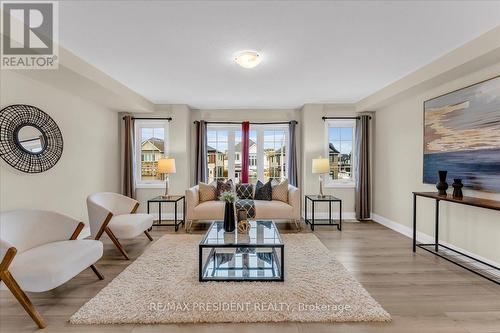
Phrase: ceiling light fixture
(248,59)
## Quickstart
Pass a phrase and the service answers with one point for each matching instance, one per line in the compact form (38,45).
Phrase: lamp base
(165,196)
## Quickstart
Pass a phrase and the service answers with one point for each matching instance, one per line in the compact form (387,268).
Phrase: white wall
(90,159)
(398,159)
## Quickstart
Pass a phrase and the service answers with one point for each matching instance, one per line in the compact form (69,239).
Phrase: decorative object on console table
(457,188)
(320,166)
(166,166)
(229,217)
(442,185)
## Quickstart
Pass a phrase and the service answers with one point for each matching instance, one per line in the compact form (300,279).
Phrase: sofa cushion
(207,192)
(263,191)
(209,210)
(265,209)
(48,266)
(244,191)
(128,226)
(280,191)
(226,186)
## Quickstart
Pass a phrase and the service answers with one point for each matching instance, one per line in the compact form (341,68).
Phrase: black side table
(324,198)
(175,200)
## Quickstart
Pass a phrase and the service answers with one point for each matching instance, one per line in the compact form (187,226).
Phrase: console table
(172,199)
(463,260)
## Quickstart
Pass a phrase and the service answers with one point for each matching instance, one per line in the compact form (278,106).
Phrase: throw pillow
(244,191)
(226,186)
(280,191)
(263,191)
(207,192)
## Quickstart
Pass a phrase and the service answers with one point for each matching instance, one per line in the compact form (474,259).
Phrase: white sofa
(39,251)
(272,210)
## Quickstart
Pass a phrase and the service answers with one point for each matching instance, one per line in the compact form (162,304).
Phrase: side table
(175,199)
(324,198)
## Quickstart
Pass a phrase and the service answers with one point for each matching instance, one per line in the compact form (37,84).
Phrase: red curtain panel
(245,130)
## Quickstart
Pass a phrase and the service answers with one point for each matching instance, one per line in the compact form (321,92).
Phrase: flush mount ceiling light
(248,59)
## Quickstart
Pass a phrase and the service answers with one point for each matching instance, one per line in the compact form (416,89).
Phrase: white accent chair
(114,214)
(40,251)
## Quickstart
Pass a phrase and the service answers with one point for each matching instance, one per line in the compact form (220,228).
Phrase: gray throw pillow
(263,191)
(224,186)
(244,191)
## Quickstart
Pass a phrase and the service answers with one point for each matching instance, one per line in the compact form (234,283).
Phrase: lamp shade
(320,165)
(166,165)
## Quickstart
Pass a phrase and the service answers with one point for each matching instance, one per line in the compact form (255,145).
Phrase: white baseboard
(167,216)
(335,215)
(424,238)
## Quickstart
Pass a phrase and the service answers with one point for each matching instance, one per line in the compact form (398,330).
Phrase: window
(267,152)
(151,145)
(339,149)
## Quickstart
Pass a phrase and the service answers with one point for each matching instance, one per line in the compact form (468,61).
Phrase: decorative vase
(442,185)
(457,188)
(229,224)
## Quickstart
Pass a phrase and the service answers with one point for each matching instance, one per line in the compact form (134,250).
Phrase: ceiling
(313,51)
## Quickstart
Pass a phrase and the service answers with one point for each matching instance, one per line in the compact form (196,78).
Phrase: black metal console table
(463,260)
(323,198)
(175,200)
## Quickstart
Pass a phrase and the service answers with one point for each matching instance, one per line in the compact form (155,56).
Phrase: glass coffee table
(233,256)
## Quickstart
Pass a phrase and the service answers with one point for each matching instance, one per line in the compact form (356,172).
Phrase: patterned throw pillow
(244,191)
(263,191)
(207,192)
(224,186)
(280,191)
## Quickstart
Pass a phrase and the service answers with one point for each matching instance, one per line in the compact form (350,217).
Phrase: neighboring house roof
(333,150)
(157,143)
(212,150)
(237,147)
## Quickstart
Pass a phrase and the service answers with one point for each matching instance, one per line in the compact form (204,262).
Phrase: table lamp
(320,166)
(166,166)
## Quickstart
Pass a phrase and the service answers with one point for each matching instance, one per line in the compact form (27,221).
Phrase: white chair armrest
(294,200)
(192,200)
(4,247)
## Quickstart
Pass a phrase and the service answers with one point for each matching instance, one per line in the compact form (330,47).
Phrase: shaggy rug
(162,286)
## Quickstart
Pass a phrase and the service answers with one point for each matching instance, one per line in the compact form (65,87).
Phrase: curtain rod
(324,118)
(141,118)
(252,123)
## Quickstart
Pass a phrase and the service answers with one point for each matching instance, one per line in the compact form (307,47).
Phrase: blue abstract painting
(462,136)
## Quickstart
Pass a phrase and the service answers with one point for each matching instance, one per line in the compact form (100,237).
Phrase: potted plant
(229,218)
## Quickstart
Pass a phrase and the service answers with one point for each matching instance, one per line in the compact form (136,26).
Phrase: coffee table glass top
(260,233)
(231,256)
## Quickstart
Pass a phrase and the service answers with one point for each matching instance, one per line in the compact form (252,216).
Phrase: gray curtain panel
(201,152)
(362,169)
(292,155)
(128,158)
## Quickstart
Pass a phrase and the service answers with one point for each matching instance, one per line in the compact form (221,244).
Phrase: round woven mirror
(30,139)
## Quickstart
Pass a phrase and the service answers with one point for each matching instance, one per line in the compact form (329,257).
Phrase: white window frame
(340,183)
(231,143)
(139,125)
(260,146)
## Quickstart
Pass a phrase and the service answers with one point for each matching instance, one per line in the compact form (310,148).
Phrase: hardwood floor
(422,292)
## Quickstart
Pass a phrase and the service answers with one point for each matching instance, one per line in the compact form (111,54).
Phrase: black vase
(229,223)
(457,188)
(442,185)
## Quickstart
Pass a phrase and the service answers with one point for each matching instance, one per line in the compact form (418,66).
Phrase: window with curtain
(151,145)
(267,152)
(339,149)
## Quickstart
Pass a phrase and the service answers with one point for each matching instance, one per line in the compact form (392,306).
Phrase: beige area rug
(162,286)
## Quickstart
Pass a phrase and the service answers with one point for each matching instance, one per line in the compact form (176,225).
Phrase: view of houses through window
(340,147)
(151,139)
(267,152)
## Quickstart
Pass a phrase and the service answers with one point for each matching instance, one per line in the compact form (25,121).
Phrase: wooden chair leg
(149,236)
(117,243)
(22,298)
(99,275)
